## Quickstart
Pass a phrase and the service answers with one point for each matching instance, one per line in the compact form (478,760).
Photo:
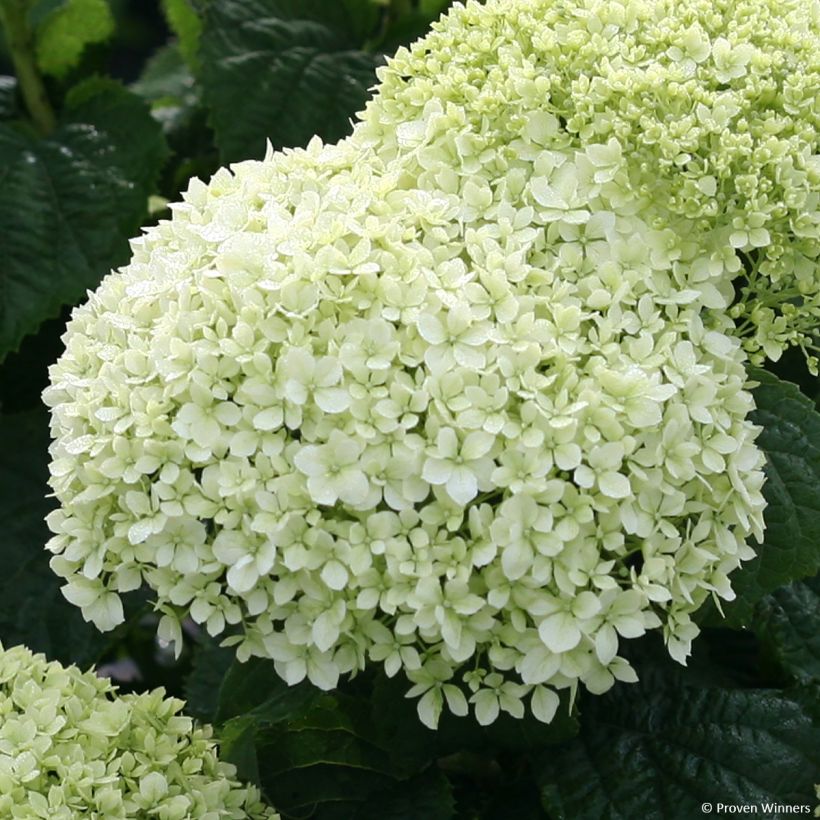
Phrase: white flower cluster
(458,396)
(70,747)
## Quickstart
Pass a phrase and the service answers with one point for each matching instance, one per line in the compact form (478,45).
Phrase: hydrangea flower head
(459,395)
(70,747)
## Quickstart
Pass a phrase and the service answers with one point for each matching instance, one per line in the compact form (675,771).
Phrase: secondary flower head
(70,747)
(706,111)
(459,393)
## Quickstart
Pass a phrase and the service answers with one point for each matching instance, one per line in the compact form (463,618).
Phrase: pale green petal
(559,632)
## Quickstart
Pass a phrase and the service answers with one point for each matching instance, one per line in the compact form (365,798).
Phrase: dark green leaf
(209,666)
(721,658)
(237,745)
(175,98)
(299,745)
(363,16)
(294,67)
(507,733)
(497,798)
(32,608)
(788,623)
(660,749)
(69,203)
(254,688)
(135,147)
(409,743)
(323,787)
(24,373)
(406,25)
(319,754)
(807,695)
(404,30)
(427,795)
(326,757)
(791,547)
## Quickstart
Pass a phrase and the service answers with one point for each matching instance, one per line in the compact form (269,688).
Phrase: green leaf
(168,85)
(175,98)
(294,67)
(32,608)
(494,798)
(69,203)
(237,745)
(506,733)
(661,748)
(63,30)
(363,16)
(209,666)
(407,23)
(253,688)
(327,756)
(427,795)
(166,79)
(319,754)
(186,23)
(791,546)
(411,745)
(42,9)
(433,8)
(788,624)
(807,695)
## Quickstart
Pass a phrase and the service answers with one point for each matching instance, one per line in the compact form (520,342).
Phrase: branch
(20,40)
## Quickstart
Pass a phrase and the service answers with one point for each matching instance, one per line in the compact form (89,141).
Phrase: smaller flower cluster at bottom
(71,747)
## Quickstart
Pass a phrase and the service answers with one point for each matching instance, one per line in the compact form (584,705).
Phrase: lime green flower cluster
(70,747)
(460,395)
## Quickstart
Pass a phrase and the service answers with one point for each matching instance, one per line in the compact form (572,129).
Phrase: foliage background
(106,110)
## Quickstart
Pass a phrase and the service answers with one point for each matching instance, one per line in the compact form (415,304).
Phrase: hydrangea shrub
(70,747)
(462,395)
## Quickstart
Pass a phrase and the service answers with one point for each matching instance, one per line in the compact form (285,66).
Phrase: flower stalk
(20,41)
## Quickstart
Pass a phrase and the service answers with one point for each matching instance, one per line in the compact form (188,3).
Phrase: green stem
(20,41)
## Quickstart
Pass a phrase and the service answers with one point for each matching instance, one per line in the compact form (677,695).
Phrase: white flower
(305,377)
(431,683)
(562,628)
(100,606)
(452,339)
(246,558)
(334,470)
(462,467)
(603,470)
(497,695)
(444,608)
